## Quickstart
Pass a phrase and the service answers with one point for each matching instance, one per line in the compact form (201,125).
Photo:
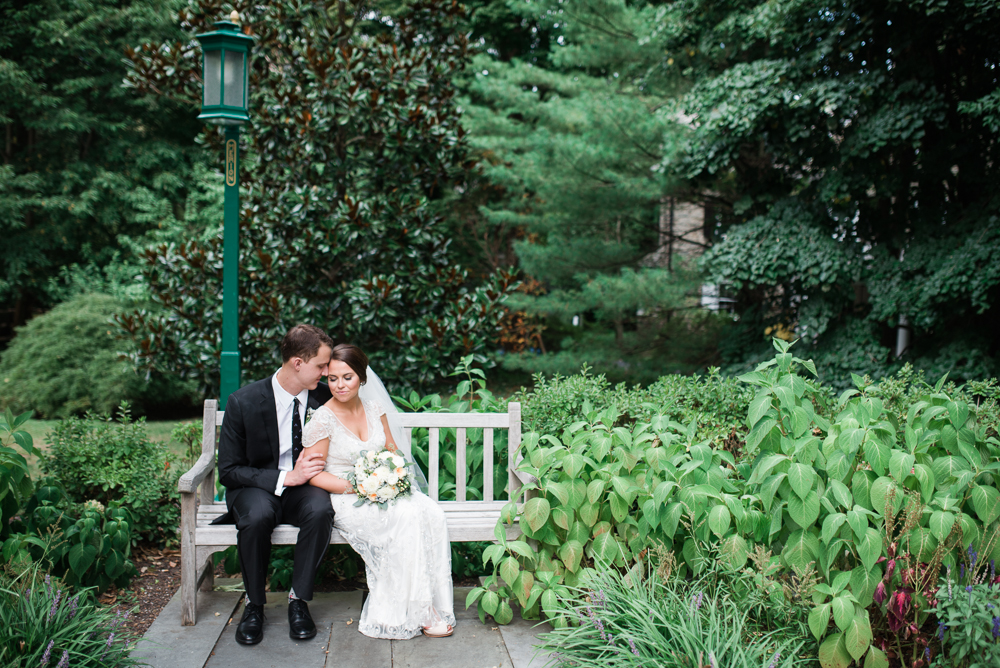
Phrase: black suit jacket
(248,448)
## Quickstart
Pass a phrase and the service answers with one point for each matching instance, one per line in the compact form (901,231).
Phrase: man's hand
(306,467)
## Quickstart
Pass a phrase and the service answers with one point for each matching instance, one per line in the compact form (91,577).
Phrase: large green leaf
(573,464)
(941,523)
(605,547)
(986,501)
(719,519)
(819,620)
(801,548)
(877,454)
(831,523)
(81,556)
(870,548)
(922,543)
(833,652)
(876,659)
(858,636)
(841,493)
(670,518)
(734,552)
(805,512)
(900,465)
(536,512)
(801,478)
(562,517)
(570,553)
(880,493)
(861,488)
(619,507)
(760,405)
(843,612)
(864,582)
(509,569)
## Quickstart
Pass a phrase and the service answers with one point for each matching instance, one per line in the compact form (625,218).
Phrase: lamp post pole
(230,359)
(225,69)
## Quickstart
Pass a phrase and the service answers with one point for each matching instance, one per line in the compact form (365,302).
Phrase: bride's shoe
(438,629)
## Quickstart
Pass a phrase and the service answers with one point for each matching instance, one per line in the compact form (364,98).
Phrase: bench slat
(488,464)
(460,467)
(433,434)
(452,420)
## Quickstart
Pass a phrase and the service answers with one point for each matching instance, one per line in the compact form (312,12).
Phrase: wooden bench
(467,520)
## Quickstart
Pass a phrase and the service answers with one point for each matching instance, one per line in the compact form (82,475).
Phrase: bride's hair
(353,357)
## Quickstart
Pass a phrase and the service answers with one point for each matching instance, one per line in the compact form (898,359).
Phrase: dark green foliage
(715,403)
(571,137)
(355,134)
(969,619)
(112,461)
(850,153)
(67,361)
(15,477)
(84,158)
(87,545)
(42,624)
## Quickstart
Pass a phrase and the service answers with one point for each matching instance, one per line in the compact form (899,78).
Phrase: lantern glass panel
(234,79)
(213,78)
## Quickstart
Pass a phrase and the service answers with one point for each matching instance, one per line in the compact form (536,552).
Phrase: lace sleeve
(376,408)
(316,429)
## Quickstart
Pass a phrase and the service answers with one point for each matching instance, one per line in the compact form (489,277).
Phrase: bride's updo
(353,357)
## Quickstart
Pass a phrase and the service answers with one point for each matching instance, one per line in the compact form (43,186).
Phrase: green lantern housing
(225,55)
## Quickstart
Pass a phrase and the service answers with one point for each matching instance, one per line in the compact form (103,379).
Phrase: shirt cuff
(281,483)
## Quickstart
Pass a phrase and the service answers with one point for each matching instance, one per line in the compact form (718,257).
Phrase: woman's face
(343,381)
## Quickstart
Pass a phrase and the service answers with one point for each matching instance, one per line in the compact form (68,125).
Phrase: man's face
(311,371)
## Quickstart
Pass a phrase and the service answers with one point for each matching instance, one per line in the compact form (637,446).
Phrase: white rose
(398,461)
(382,472)
(385,454)
(371,456)
(391,492)
(371,483)
(392,478)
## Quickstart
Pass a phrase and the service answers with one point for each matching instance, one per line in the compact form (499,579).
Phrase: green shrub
(15,478)
(42,624)
(969,619)
(846,491)
(86,544)
(647,622)
(717,403)
(112,461)
(67,361)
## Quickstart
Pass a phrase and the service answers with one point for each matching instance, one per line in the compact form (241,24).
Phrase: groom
(266,477)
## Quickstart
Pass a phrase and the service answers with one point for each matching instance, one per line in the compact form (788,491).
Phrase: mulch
(159,579)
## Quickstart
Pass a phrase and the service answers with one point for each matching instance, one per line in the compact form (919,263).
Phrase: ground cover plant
(870,503)
(44,623)
(667,621)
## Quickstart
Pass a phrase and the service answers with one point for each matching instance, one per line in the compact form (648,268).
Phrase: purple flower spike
(48,653)
(973,555)
(996,628)
(72,606)
(631,644)
(941,629)
(774,661)
(55,604)
(927,654)
(64,661)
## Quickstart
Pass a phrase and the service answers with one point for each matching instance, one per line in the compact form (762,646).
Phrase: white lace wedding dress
(405,547)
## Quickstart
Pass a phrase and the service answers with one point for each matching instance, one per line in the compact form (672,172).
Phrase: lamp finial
(235,16)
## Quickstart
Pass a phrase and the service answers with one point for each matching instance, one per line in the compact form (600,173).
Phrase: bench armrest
(189,482)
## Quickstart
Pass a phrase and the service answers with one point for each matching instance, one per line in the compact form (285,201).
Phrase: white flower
(370,483)
(392,478)
(371,456)
(382,473)
(398,461)
(309,414)
(385,454)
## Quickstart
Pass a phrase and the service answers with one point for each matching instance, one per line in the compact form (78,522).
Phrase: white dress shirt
(283,402)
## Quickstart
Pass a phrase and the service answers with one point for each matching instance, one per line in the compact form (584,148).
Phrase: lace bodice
(345,447)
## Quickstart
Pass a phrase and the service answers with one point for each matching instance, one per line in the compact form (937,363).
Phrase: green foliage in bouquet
(112,461)
(42,624)
(873,501)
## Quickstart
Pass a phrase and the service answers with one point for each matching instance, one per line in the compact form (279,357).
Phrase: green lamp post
(225,55)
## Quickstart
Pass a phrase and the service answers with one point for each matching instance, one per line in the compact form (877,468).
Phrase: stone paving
(211,643)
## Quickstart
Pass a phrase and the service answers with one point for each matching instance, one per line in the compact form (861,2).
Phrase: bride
(405,546)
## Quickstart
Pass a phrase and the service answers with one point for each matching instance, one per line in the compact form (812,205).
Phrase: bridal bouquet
(379,477)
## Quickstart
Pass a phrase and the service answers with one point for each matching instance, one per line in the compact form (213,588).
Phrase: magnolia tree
(354,139)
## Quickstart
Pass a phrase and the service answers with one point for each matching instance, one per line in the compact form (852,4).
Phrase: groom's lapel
(270,414)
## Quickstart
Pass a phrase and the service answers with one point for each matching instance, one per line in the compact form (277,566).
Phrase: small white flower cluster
(380,477)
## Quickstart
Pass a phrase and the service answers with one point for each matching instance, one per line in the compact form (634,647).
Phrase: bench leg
(207,576)
(189,561)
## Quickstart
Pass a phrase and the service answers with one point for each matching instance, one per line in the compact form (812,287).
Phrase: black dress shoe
(300,622)
(251,628)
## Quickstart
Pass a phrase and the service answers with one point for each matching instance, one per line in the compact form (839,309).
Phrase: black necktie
(296,431)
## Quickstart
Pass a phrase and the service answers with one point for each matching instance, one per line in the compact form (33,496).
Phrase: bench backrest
(433,422)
